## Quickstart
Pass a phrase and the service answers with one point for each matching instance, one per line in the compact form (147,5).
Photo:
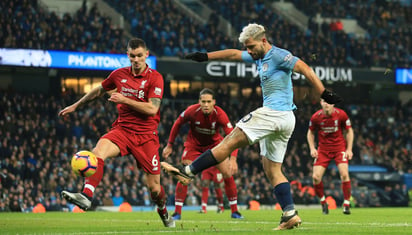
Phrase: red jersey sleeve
(108,83)
(346,124)
(182,119)
(156,88)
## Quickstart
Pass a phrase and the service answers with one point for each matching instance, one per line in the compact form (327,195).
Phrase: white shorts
(271,128)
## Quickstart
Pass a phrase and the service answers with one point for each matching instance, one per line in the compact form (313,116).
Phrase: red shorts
(324,158)
(212,174)
(143,147)
(193,153)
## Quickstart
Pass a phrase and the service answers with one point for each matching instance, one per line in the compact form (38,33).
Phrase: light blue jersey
(275,71)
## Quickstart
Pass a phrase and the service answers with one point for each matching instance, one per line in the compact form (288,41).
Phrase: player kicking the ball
(138,94)
(271,125)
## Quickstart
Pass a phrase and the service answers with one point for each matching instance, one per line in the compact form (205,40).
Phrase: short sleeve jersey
(275,71)
(330,129)
(204,129)
(142,87)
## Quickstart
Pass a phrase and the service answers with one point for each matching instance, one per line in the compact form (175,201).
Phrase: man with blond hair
(271,125)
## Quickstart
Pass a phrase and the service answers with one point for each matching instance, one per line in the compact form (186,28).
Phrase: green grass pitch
(361,221)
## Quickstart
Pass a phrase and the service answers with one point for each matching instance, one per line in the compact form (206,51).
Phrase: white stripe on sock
(233,202)
(89,186)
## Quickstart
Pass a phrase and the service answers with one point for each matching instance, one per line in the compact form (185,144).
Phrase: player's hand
(67,110)
(167,151)
(314,153)
(117,98)
(197,56)
(233,165)
(331,97)
(349,154)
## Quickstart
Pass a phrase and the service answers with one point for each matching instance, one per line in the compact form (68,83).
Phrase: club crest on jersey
(265,67)
(288,58)
(123,81)
(143,83)
(213,125)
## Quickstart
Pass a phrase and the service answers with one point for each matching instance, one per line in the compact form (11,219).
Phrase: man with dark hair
(138,91)
(335,141)
(205,120)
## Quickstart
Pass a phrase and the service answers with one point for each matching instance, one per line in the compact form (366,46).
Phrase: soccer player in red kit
(138,91)
(335,141)
(205,120)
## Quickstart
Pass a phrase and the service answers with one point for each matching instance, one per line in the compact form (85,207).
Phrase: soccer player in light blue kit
(272,125)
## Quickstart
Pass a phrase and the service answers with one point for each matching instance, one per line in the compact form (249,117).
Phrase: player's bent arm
(302,68)
(311,139)
(228,54)
(149,108)
(91,95)
(349,139)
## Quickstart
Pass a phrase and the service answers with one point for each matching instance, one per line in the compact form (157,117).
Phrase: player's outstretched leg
(177,172)
(79,199)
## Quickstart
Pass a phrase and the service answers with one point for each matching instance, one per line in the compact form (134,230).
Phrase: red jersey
(330,129)
(204,129)
(142,87)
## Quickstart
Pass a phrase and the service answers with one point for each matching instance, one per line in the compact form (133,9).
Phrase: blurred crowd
(170,32)
(37,146)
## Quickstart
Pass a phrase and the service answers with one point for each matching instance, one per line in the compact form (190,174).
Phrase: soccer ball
(84,163)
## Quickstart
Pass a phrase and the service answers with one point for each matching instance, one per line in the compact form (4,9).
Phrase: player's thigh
(318,172)
(105,148)
(113,143)
(146,153)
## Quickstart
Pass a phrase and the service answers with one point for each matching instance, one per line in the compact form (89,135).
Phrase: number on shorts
(155,162)
(344,158)
(247,118)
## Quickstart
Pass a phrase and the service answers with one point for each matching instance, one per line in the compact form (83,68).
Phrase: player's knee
(344,177)
(316,179)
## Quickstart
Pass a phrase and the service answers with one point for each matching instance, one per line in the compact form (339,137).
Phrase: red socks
(346,189)
(319,189)
(180,197)
(91,182)
(231,193)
